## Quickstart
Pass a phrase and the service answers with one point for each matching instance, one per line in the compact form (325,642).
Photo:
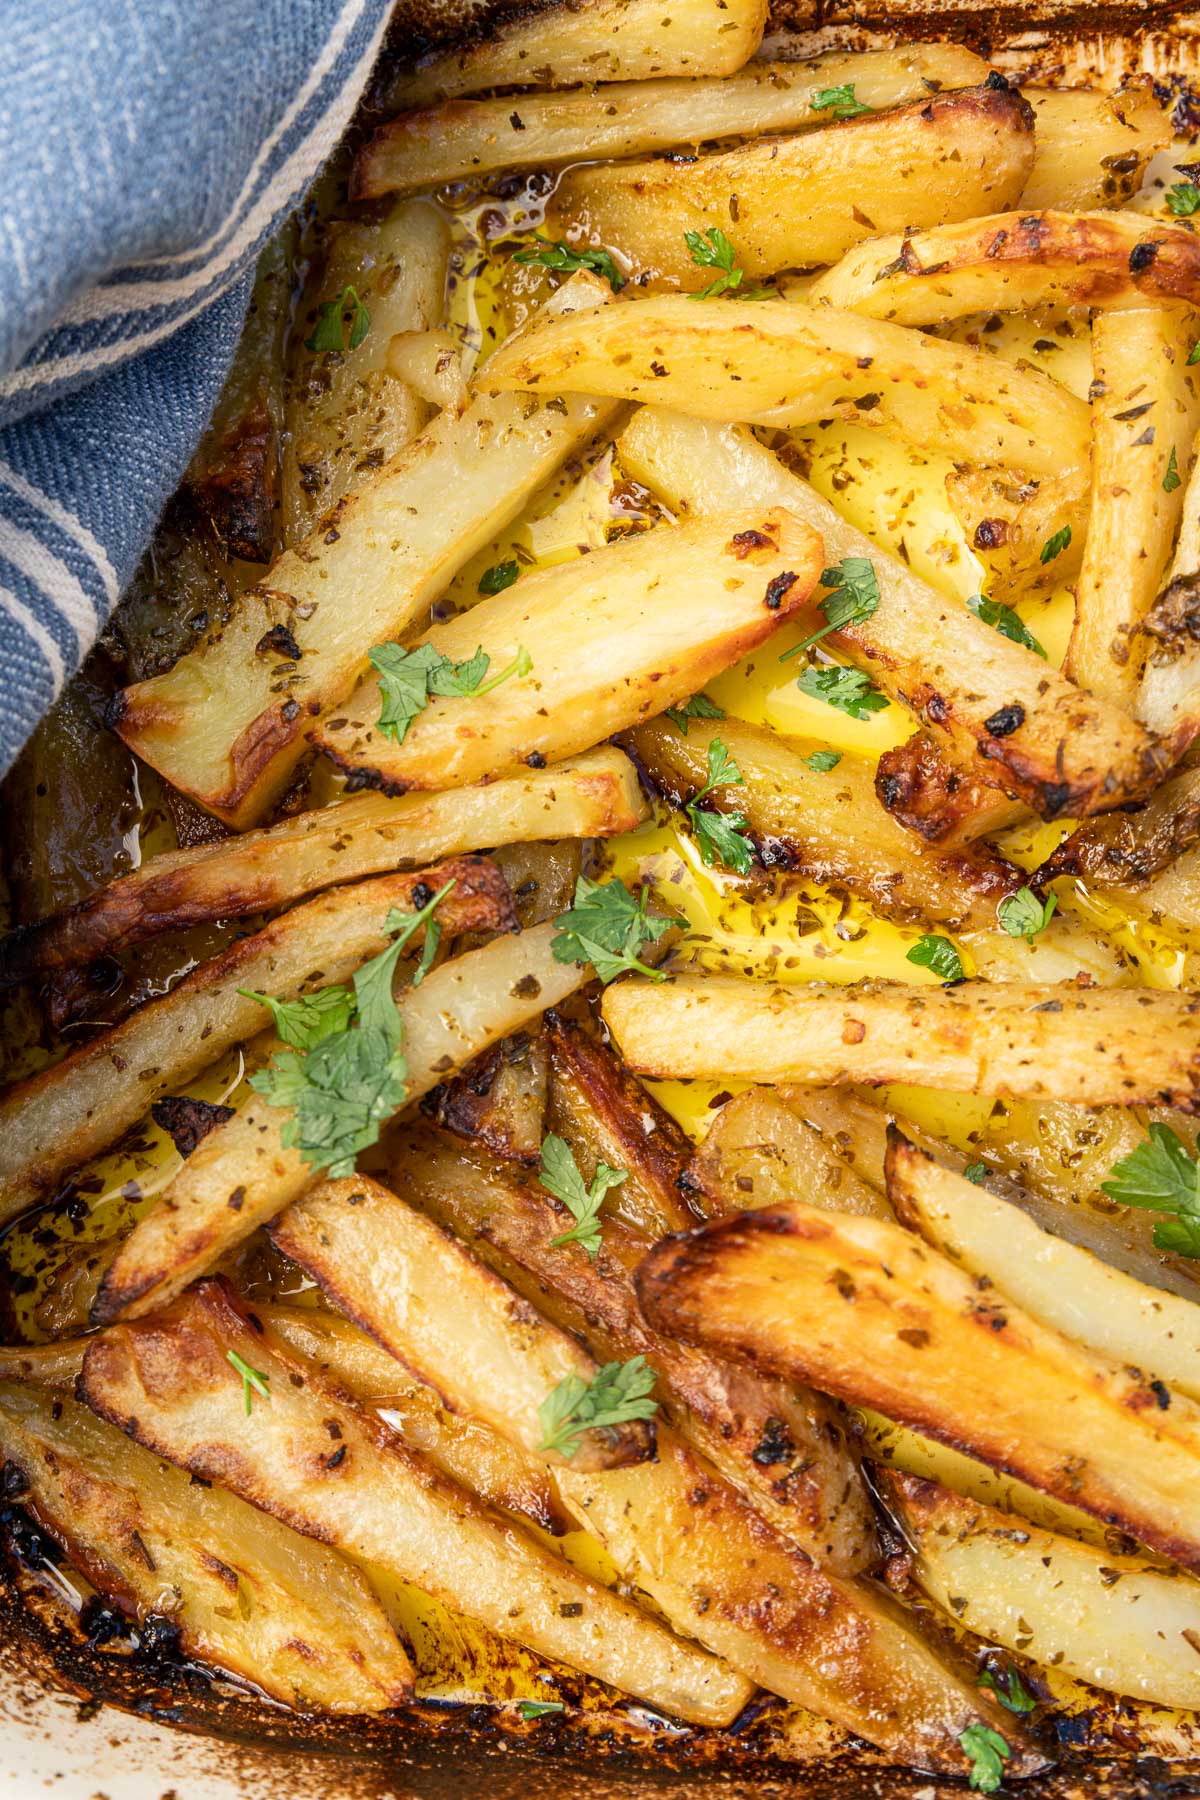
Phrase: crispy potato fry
(241,1175)
(946,157)
(760,1152)
(169,1382)
(245,1592)
(348,414)
(636,627)
(461,139)
(227,724)
(1091,148)
(1010,522)
(606,1115)
(499,1100)
(1014,262)
(1169,698)
(600,40)
(43,1365)
(781,1447)
(74,1109)
(870,1313)
(1062,1286)
(595,795)
(845,1649)
(1125,851)
(827,826)
(1145,409)
(1089,1046)
(426,1299)
(1069,753)
(1112,1620)
(779,362)
(945,802)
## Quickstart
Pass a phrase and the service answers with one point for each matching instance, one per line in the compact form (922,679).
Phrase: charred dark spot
(1006,720)
(996,82)
(237,1199)
(745,543)
(278,642)
(535,760)
(1141,256)
(13,1482)
(776,589)
(289,710)
(1162,1394)
(990,534)
(774,1446)
(186,1121)
(422,894)
(102,1624)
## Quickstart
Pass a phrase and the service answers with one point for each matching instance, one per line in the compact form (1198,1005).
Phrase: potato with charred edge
(606,1115)
(1010,521)
(827,826)
(1168,700)
(760,1152)
(605,643)
(227,724)
(600,40)
(871,1314)
(948,156)
(939,799)
(333,1473)
(58,1118)
(499,1100)
(241,1175)
(242,1591)
(1091,148)
(595,795)
(1062,1286)
(784,1449)
(1054,747)
(457,139)
(1145,408)
(1117,1621)
(1014,262)
(1125,851)
(1089,1046)
(427,1300)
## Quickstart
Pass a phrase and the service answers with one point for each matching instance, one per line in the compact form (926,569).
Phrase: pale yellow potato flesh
(246,1592)
(1012,521)
(760,1152)
(948,156)
(1091,148)
(1168,700)
(613,639)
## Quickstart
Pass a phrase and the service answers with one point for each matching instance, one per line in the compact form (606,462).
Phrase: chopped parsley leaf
(253,1380)
(1023,915)
(988,1752)
(567,262)
(498,577)
(1006,621)
(617,1394)
(698,707)
(1009,1689)
(1183,199)
(852,600)
(1172,478)
(1162,1175)
(849,690)
(711,249)
(407,679)
(607,927)
(939,955)
(330,330)
(821,761)
(840,101)
(308,1018)
(538,1709)
(1054,546)
(720,835)
(560,1176)
(976,1172)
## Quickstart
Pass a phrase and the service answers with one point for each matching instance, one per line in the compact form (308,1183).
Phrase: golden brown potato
(1125,851)
(872,1314)
(1091,148)
(1010,522)
(635,627)
(499,1101)
(760,1152)
(1088,1046)
(940,799)
(946,157)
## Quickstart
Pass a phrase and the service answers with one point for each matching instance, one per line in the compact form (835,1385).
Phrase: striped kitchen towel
(148,150)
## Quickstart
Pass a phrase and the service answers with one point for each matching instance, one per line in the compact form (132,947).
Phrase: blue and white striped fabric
(148,149)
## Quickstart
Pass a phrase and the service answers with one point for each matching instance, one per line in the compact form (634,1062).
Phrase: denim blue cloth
(148,149)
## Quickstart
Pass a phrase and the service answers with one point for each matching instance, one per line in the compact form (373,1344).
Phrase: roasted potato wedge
(227,724)
(1010,522)
(870,1313)
(243,1591)
(1088,1046)
(311,1456)
(608,642)
(1169,697)
(499,1100)
(464,1006)
(1091,148)
(760,1152)
(1126,851)
(947,803)
(76,1108)
(948,156)
(460,139)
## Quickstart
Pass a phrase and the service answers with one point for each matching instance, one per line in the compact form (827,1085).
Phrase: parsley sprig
(1005,620)
(1009,1689)
(343,1083)
(939,955)
(1023,915)
(841,101)
(852,599)
(849,690)
(1054,546)
(617,1394)
(566,261)
(560,1176)
(607,927)
(698,707)
(333,317)
(1172,479)
(1162,1175)
(539,1709)
(253,1380)
(988,1752)
(408,678)
(303,1022)
(822,761)
(721,836)
(1183,199)
(711,249)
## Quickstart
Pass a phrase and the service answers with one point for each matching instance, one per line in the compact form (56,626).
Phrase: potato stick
(1169,697)
(1014,262)
(243,1591)
(1145,409)
(460,139)
(1113,1620)
(241,1175)
(345,1480)
(1010,522)
(428,1301)
(827,826)
(1062,1286)
(347,413)
(782,1448)
(594,795)
(1068,754)
(431,362)
(845,1649)
(633,628)
(499,1100)
(945,802)
(227,724)
(1089,1046)
(601,40)
(1091,148)
(1123,852)
(873,1315)
(946,157)
(760,1152)
(71,1111)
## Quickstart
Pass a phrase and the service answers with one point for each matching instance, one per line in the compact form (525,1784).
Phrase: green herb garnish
(976,1172)
(1005,620)
(853,598)
(711,249)
(607,927)
(1183,199)
(840,101)
(560,1176)
(618,1394)
(849,690)
(988,1752)
(1161,1175)
(720,835)
(408,678)
(332,318)
(1054,546)
(1009,1689)
(1172,478)
(698,707)
(253,1380)
(568,262)
(938,954)
(538,1709)
(498,577)
(304,1021)
(821,761)
(1023,915)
